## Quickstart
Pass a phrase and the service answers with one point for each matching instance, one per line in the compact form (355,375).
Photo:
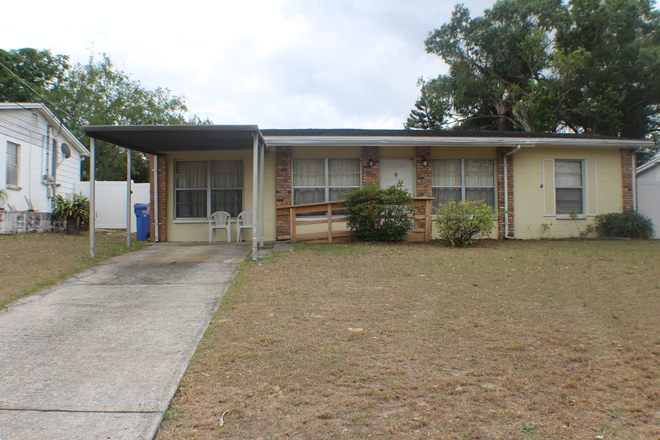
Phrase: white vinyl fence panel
(648,199)
(111,202)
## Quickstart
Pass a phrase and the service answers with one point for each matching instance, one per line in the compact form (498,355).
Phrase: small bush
(628,224)
(376,214)
(77,208)
(459,222)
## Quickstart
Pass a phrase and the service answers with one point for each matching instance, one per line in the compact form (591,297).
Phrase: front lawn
(29,262)
(509,340)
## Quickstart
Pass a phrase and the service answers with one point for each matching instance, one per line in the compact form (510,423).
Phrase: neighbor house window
(323,180)
(569,186)
(12,164)
(462,180)
(203,187)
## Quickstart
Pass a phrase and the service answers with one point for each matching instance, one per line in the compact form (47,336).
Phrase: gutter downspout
(506,193)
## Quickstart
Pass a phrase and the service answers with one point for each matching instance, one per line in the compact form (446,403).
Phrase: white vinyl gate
(111,202)
(648,202)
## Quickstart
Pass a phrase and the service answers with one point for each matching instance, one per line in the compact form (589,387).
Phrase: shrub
(459,222)
(76,209)
(375,214)
(628,224)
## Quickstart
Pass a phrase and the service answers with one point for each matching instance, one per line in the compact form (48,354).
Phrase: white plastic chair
(244,221)
(219,220)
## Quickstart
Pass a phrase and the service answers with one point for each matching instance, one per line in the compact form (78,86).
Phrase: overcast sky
(275,63)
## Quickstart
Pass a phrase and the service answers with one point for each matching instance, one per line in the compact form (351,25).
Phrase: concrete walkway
(100,355)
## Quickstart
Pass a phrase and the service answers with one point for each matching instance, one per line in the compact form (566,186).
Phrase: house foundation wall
(22,222)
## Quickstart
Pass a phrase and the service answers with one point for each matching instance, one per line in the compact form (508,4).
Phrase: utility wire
(41,96)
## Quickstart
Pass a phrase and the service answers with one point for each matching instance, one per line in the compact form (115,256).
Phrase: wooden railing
(420,232)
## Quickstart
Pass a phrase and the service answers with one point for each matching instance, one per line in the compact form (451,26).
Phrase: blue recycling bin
(143,220)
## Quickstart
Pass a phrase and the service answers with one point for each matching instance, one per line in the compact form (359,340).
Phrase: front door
(394,169)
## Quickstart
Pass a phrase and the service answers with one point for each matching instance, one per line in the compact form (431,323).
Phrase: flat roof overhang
(163,139)
(439,138)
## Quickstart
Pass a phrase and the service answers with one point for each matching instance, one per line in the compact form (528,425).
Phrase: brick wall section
(423,173)
(423,178)
(162,198)
(626,175)
(370,174)
(284,185)
(501,151)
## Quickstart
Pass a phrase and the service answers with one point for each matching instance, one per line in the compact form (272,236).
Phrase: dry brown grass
(31,261)
(505,340)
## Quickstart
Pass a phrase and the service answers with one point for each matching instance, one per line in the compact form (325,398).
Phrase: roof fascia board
(92,131)
(649,164)
(52,119)
(396,141)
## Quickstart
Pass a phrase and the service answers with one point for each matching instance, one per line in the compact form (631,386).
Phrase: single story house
(648,184)
(39,158)
(537,177)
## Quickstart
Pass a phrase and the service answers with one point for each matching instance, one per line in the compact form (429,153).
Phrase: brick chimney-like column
(284,187)
(162,198)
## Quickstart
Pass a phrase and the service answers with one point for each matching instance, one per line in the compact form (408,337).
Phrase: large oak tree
(588,66)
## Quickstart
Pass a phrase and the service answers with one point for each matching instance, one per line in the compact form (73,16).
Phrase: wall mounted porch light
(371,163)
(424,162)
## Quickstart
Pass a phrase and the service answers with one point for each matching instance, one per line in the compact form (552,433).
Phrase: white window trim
(554,196)
(13,186)
(568,217)
(208,191)
(584,187)
(587,209)
(463,185)
(327,185)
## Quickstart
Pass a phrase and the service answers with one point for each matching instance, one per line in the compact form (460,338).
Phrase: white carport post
(255,191)
(128,198)
(261,196)
(92,198)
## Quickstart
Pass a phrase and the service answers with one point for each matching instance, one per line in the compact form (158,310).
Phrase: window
(568,186)
(200,184)
(463,180)
(323,180)
(12,164)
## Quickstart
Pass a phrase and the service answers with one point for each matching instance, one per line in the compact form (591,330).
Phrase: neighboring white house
(34,166)
(648,192)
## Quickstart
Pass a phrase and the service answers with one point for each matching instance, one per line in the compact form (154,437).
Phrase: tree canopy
(588,66)
(96,93)
(39,71)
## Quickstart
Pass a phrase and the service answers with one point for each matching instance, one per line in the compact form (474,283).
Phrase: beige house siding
(191,231)
(602,169)
(528,187)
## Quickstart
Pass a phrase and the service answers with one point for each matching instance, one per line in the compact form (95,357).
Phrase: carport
(158,140)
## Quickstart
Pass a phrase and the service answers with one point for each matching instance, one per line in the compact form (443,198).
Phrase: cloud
(276,63)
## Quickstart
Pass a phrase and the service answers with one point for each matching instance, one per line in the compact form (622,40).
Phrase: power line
(40,95)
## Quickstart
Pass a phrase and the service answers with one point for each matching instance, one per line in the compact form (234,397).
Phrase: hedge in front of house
(627,224)
(375,214)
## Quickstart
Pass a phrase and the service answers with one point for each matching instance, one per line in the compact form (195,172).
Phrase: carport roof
(161,139)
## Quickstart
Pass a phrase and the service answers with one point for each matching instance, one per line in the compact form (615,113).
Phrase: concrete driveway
(101,354)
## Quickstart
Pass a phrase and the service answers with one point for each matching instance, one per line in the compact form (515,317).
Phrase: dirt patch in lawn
(31,261)
(504,340)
